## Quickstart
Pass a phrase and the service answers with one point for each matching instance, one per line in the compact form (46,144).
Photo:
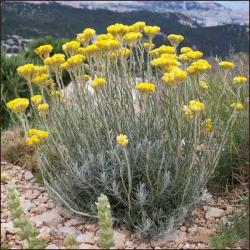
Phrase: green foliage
(70,241)
(105,222)
(227,236)
(28,231)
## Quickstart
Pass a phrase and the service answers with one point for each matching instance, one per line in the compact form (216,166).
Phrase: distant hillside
(32,21)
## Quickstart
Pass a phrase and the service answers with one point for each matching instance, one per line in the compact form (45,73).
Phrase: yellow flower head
(71,47)
(98,82)
(122,140)
(43,108)
(151,31)
(207,125)
(80,51)
(239,80)
(43,51)
(107,45)
(39,70)
(196,106)
(185,50)
(188,112)
(26,71)
(104,37)
(36,136)
(40,79)
(33,140)
(164,49)
(86,77)
(199,66)
(226,65)
(194,55)
(75,61)
(55,61)
(131,38)
(118,30)
(174,76)
(175,39)
(91,49)
(137,27)
(145,87)
(203,85)
(237,105)
(4,177)
(148,46)
(18,105)
(55,93)
(37,99)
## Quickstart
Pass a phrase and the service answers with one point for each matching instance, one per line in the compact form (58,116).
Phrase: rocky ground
(54,222)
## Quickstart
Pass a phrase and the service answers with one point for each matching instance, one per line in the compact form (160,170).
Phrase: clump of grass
(227,236)
(15,150)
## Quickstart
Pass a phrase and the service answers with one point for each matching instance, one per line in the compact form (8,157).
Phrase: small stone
(202,235)
(186,246)
(3,234)
(36,221)
(44,234)
(214,212)
(52,246)
(129,244)
(50,204)
(28,175)
(67,230)
(74,222)
(87,237)
(9,227)
(142,246)
(183,229)
(88,246)
(50,218)
(27,205)
(192,230)
(119,240)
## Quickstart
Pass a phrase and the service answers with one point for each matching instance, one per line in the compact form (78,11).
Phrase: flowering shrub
(148,135)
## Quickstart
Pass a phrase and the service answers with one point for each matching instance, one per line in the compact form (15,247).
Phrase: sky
(241,5)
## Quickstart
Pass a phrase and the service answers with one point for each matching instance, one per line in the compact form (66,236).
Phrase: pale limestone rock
(88,237)
(28,176)
(214,212)
(68,230)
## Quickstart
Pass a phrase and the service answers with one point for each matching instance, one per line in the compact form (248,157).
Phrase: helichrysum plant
(27,231)
(105,222)
(145,126)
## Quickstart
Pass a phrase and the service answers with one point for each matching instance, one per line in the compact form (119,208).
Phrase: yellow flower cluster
(71,47)
(151,31)
(199,66)
(203,85)
(107,45)
(226,65)
(148,46)
(86,77)
(207,125)
(36,99)
(43,108)
(239,80)
(104,37)
(42,79)
(185,50)
(122,140)
(175,39)
(44,50)
(145,87)
(54,61)
(187,54)
(98,82)
(86,35)
(55,93)
(26,71)
(18,105)
(73,62)
(91,49)
(123,52)
(165,61)
(118,30)
(174,76)
(196,106)
(36,136)
(164,49)
(137,27)
(131,38)
(237,105)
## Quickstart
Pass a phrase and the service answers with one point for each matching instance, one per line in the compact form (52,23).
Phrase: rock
(87,237)
(74,222)
(87,246)
(27,205)
(119,240)
(129,244)
(202,235)
(214,212)
(67,230)
(52,246)
(36,221)
(142,246)
(50,204)
(192,230)
(183,229)
(44,234)
(28,176)
(9,227)
(186,246)
(50,218)
(3,234)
